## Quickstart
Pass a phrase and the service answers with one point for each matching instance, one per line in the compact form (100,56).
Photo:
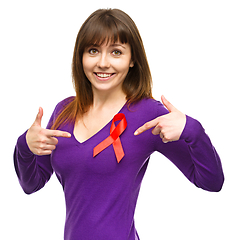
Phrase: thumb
(38,119)
(167,104)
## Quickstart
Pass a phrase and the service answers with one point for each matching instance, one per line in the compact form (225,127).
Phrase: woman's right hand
(43,141)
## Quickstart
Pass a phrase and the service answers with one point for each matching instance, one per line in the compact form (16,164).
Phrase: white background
(188,48)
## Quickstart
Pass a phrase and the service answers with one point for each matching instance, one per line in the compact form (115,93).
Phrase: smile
(104,76)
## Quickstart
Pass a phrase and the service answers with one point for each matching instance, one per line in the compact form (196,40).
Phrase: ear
(131,64)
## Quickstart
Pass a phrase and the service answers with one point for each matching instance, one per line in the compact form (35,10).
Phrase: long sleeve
(195,156)
(33,171)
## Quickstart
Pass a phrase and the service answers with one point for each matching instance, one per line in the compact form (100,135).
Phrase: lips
(103,76)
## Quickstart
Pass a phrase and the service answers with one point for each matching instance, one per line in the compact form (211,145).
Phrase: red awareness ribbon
(113,138)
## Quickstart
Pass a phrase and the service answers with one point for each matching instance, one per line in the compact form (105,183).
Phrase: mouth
(103,76)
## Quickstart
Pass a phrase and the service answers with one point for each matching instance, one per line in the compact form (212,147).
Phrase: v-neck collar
(106,126)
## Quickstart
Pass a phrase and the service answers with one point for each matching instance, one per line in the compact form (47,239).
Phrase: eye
(93,51)
(116,53)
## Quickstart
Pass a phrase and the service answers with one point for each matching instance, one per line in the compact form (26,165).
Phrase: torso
(101,193)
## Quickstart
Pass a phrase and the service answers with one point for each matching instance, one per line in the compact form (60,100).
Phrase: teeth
(103,75)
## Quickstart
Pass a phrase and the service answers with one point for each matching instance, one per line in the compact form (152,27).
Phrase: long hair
(104,26)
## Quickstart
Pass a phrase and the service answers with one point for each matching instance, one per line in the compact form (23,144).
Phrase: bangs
(105,29)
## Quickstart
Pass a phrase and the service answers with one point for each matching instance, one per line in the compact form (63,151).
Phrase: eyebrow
(117,45)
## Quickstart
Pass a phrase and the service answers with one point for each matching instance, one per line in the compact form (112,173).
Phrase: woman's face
(107,65)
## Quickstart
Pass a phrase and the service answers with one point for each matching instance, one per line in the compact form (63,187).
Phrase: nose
(103,61)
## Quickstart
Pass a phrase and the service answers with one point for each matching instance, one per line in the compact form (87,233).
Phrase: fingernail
(136,133)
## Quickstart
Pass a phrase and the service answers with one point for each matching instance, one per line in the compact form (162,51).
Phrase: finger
(44,147)
(52,141)
(157,130)
(167,104)
(57,133)
(161,135)
(43,152)
(49,147)
(164,140)
(38,119)
(146,126)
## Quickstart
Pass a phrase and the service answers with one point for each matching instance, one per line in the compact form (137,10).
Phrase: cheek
(87,64)
(122,66)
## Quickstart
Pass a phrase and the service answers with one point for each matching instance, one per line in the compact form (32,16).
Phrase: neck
(108,99)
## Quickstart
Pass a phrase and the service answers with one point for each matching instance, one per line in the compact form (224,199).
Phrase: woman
(99,142)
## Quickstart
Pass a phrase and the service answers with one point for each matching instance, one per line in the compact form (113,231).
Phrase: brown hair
(107,25)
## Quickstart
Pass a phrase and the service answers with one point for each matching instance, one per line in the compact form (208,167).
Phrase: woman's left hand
(170,126)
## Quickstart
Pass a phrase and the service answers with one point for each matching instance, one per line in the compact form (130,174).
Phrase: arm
(32,155)
(195,156)
(186,144)
(33,171)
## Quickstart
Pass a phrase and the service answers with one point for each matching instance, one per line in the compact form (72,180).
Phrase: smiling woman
(99,162)
(115,31)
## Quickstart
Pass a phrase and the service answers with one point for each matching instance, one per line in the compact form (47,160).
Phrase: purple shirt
(100,193)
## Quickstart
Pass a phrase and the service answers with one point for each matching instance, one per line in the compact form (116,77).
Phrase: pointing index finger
(147,126)
(58,133)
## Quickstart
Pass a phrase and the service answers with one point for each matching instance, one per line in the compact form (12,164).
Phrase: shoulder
(149,107)
(60,107)
(62,104)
